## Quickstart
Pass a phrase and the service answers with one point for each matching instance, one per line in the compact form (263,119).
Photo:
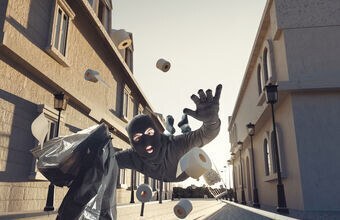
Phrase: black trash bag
(61,158)
(92,194)
(86,163)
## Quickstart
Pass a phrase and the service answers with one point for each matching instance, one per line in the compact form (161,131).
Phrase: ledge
(28,215)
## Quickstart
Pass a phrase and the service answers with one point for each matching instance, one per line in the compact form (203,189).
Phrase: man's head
(144,137)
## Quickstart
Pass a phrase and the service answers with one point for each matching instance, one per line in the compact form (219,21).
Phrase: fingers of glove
(202,95)
(195,99)
(218,93)
(189,112)
(209,95)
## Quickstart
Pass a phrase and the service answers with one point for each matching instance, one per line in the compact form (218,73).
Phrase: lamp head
(271,93)
(240,145)
(251,129)
(60,101)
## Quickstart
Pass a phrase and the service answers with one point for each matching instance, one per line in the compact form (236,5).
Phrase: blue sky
(206,42)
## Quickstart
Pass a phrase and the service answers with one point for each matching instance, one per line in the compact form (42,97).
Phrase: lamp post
(229,162)
(132,197)
(243,196)
(60,103)
(271,98)
(235,194)
(160,191)
(251,132)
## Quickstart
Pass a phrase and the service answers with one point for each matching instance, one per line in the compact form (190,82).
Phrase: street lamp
(243,196)
(229,162)
(160,191)
(251,132)
(271,98)
(132,196)
(60,103)
(235,194)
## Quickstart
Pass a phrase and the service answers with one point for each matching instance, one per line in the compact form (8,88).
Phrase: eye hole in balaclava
(144,137)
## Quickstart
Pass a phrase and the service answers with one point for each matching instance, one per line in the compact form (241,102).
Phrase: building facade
(297,47)
(45,48)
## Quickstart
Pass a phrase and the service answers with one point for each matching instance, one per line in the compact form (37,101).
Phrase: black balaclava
(139,124)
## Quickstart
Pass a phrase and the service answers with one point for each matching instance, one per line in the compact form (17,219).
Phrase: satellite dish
(39,128)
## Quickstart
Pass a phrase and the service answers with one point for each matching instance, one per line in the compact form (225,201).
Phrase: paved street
(208,209)
(201,210)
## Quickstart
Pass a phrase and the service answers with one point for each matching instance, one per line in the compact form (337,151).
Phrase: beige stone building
(45,48)
(297,47)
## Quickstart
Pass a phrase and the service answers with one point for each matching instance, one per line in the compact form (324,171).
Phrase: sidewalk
(234,211)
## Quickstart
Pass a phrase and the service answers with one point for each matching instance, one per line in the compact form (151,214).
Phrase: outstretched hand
(207,106)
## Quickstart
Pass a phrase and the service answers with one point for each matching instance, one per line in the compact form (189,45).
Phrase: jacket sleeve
(126,159)
(198,138)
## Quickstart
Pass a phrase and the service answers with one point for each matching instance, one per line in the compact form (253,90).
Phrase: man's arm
(207,107)
(126,159)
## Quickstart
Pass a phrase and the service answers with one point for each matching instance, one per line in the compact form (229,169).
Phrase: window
(122,176)
(138,178)
(129,57)
(140,110)
(52,131)
(60,32)
(60,20)
(259,79)
(125,104)
(266,64)
(267,161)
(104,14)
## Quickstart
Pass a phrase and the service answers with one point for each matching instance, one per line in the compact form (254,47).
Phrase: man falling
(157,155)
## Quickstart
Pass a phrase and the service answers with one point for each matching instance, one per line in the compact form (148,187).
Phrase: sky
(207,43)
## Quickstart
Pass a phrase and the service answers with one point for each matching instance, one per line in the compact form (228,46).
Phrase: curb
(267,214)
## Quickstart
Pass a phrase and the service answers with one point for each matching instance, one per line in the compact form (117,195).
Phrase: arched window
(267,162)
(265,65)
(259,80)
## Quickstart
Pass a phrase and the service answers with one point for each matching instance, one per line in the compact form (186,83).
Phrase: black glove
(207,106)
(169,124)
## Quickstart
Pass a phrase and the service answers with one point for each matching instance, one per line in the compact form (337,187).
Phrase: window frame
(268,63)
(267,158)
(126,100)
(51,50)
(259,78)
(128,57)
(265,56)
(273,175)
(122,179)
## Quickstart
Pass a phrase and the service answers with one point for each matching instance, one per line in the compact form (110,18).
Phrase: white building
(297,47)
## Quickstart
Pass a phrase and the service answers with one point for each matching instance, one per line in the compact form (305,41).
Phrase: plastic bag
(60,159)
(85,162)
(215,184)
